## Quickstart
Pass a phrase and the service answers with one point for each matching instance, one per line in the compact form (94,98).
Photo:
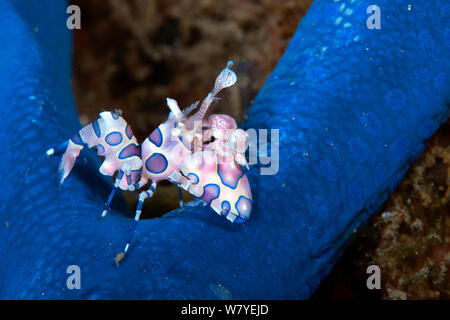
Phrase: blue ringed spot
(77,139)
(230,181)
(96,128)
(114,138)
(226,206)
(130,151)
(156,137)
(135,175)
(193,177)
(243,206)
(114,115)
(129,132)
(210,192)
(156,163)
(100,149)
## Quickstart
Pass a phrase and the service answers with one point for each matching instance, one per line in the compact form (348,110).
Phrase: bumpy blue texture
(353,106)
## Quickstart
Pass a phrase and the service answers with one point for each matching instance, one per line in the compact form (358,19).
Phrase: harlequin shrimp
(113,139)
(204,157)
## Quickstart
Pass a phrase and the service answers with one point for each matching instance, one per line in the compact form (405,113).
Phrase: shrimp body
(112,137)
(220,183)
(202,157)
(162,153)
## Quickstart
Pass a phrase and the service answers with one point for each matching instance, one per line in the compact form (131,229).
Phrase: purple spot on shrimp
(114,115)
(77,139)
(156,163)
(243,206)
(96,128)
(156,137)
(225,207)
(100,149)
(129,132)
(193,177)
(210,192)
(130,151)
(135,176)
(229,175)
(114,138)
